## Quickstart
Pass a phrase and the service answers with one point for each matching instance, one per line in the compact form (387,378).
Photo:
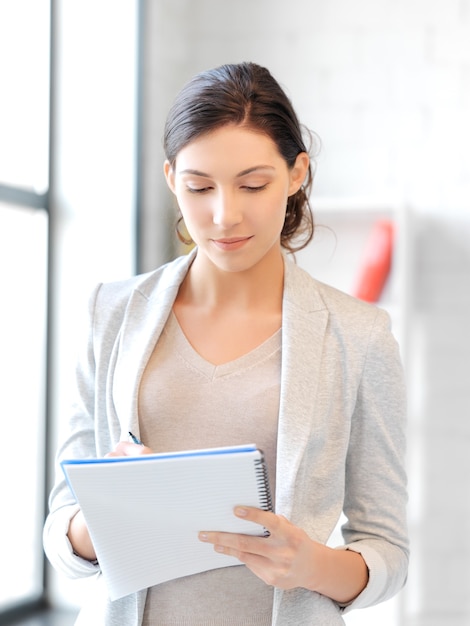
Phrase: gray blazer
(341,433)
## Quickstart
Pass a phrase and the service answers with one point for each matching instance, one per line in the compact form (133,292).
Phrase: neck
(259,287)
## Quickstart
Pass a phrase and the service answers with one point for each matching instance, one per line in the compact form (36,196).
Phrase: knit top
(185,402)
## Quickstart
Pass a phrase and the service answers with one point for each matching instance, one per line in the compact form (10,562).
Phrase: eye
(197,189)
(254,189)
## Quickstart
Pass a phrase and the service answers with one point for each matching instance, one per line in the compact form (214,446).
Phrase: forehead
(229,148)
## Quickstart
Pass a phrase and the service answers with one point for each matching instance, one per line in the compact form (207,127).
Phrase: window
(23,258)
(24,106)
(24,149)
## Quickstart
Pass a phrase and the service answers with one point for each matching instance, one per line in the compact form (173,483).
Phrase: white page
(144,513)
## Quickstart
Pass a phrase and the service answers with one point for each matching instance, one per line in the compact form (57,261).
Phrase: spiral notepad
(144,513)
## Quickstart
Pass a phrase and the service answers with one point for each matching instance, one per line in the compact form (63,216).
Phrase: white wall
(386,85)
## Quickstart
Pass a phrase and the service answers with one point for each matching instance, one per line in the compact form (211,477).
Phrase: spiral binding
(262,481)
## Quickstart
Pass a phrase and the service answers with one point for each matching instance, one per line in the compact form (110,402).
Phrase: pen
(135,440)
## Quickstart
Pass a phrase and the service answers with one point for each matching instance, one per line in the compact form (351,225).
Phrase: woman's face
(232,187)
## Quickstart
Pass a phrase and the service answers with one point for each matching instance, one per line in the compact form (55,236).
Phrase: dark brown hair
(245,94)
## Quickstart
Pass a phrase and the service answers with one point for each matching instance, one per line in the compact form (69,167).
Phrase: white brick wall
(386,84)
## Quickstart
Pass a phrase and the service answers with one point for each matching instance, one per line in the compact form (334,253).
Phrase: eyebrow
(249,170)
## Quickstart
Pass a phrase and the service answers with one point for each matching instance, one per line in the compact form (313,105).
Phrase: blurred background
(85,88)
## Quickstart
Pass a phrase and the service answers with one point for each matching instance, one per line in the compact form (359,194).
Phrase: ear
(298,172)
(169,175)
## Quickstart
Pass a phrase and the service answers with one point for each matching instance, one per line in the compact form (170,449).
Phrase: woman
(234,343)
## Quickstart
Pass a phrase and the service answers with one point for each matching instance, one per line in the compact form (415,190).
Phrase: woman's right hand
(126,448)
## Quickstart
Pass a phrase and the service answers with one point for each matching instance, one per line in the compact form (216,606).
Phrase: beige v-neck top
(186,402)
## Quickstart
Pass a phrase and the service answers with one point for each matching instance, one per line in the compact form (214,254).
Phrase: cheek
(276,207)
(190,207)
(196,214)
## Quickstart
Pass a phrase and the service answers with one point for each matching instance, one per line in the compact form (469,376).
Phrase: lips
(231,243)
(230,239)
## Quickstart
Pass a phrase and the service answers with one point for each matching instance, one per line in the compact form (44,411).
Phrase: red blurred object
(376,262)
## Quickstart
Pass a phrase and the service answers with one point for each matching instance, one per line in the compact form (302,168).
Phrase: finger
(268,519)
(126,448)
(237,545)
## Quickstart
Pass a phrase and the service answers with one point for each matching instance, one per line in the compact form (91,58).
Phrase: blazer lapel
(304,322)
(147,312)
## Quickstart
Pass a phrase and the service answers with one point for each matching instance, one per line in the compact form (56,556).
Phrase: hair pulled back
(244,94)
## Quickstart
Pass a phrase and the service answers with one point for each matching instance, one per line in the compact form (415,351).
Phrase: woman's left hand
(286,559)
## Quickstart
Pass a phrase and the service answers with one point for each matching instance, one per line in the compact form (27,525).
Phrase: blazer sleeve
(376,489)
(79,443)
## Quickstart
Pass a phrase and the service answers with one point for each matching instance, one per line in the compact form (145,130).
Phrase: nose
(227,211)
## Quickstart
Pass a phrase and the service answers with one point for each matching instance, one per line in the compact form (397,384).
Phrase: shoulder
(351,331)
(157,281)
(109,302)
(345,311)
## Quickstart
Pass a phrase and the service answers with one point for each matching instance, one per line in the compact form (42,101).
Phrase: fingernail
(203,536)
(241,512)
